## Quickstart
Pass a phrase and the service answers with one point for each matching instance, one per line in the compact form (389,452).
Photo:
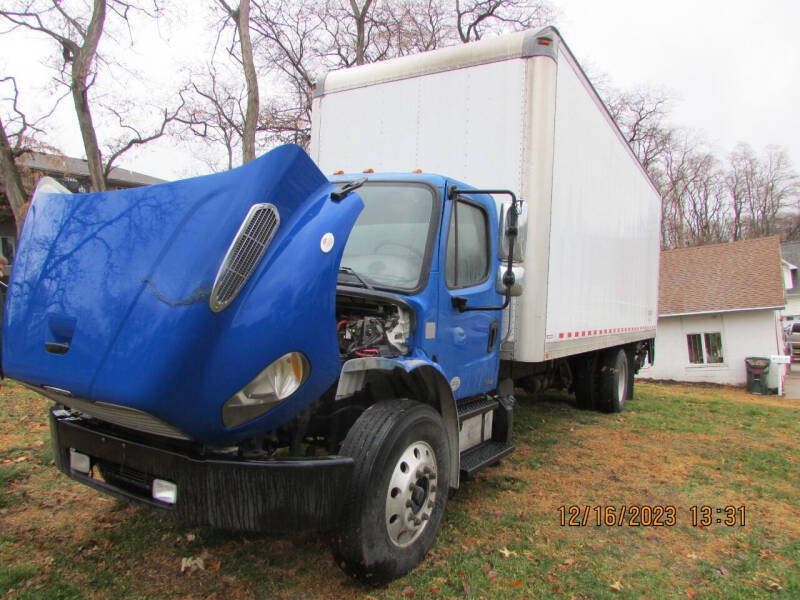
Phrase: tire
(614,377)
(395,444)
(584,382)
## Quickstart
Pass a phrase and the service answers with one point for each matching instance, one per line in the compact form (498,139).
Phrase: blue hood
(123,278)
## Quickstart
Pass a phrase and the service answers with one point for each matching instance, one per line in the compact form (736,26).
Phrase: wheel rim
(622,381)
(411,496)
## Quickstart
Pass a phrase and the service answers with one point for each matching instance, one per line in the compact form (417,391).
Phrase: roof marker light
(368,171)
(339,172)
(417,171)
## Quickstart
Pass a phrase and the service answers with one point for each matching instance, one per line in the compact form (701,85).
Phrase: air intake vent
(247,248)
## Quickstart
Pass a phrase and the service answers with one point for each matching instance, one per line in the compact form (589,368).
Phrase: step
(476,406)
(484,455)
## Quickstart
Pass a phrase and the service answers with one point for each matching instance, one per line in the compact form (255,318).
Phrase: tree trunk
(360,15)
(12,182)
(251,118)
(81,69)
(90,145)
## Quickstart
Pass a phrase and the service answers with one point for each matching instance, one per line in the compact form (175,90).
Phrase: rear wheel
(614,379)
(399,491)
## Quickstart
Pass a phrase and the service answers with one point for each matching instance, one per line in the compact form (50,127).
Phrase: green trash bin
(757,370)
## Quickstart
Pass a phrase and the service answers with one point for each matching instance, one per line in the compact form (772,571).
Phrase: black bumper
(254,495)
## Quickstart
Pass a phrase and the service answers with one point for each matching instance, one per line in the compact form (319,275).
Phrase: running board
(483,455)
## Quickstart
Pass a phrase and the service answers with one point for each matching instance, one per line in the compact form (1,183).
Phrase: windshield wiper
(356,276)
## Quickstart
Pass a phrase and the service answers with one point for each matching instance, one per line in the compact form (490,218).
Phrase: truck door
(468,341)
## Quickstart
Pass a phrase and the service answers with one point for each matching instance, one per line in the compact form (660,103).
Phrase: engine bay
(367,327)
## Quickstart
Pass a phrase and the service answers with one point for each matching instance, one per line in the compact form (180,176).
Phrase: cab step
(483,455)
(476,406)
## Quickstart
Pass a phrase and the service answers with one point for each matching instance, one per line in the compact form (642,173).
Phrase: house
(718,304)
(72,173)
(791,260)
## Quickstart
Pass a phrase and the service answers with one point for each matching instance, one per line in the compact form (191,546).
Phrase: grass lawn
(502,536)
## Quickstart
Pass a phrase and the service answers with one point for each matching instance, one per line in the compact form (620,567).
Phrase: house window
(705,348)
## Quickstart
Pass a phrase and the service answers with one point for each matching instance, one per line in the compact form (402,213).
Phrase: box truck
(271,349)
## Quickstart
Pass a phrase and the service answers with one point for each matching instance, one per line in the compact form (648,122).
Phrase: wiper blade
(356,276)
(348,187)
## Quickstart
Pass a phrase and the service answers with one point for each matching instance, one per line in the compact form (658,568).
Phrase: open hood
(112,293)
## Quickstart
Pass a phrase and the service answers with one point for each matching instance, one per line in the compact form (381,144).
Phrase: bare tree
(760,191)
(641,115)
(78,34)
(16,135)
(241,19)
(474,18)
(216,113)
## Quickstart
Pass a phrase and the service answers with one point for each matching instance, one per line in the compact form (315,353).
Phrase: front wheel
(399,491)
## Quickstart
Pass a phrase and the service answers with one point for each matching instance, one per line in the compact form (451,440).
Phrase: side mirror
(522,227)
(516,287)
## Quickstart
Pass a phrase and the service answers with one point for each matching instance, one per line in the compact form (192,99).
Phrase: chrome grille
(243,255)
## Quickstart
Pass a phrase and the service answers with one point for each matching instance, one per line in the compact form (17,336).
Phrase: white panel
(747,333)
(603,264)
(466,124)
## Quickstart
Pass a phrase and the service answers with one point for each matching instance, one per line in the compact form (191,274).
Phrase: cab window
(467,258)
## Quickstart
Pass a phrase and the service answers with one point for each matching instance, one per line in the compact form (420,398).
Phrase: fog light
(165,491)
(79,462)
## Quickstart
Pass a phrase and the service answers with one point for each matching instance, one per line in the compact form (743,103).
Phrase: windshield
(387,247)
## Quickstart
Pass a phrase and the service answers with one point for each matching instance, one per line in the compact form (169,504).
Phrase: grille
(122,416)
(243,255)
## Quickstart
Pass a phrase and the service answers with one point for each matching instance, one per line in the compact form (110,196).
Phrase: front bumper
(284,494)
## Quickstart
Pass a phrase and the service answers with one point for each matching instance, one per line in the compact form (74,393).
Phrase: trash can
(757,370)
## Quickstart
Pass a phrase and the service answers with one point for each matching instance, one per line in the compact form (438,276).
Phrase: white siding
(746,333)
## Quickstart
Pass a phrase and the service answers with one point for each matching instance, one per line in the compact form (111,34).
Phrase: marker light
(368,171)
(417,171)
(270,387)
(339,172)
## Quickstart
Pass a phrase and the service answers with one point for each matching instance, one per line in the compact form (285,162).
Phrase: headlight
(268,389)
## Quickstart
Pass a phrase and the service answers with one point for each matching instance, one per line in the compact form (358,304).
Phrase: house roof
(78,167)
(742,275)
(791,254)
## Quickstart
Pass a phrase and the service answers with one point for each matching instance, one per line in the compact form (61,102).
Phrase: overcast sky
(731,66)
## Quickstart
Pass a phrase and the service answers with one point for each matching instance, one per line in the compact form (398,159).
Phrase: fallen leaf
(691,593)
(723,571)
(617,585)
(435,589)
(408,592)
(569,561)
(775,586)
(692,556)
(506,552)
(486,568)
(491,575)
(192,564)
(517,583)
(190,537)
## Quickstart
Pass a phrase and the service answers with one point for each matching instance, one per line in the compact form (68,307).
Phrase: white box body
(512,113)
